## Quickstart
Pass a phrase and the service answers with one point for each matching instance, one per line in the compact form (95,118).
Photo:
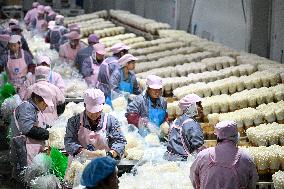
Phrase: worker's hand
(165,128)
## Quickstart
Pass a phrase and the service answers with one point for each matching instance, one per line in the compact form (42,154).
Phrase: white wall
(277,31)
(223,21)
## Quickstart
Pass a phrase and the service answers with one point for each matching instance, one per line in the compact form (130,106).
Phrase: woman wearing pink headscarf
(224,166)
(39,24)
(69,50)
(185,134)
(28,132)
(31,14)
(58,99)
(149,107)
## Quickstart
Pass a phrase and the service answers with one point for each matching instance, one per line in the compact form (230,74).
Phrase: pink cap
(226,129)
(126,58)
(99,48)
(51,24)
(13,21)
(154,82)
(40,9)
(73,35)
(94,100)
(44,91)
(35,4)
(59,16)
(42,71)
(47,9)
(45,59)
(119,47)
(188,100)
(5,37)
(15,39)
(51,13)
(93,38)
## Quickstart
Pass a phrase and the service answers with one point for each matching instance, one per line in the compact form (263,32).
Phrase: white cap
(15,39)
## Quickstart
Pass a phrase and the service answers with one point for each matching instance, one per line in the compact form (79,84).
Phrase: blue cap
(97,170)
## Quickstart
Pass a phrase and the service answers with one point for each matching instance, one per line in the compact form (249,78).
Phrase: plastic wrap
(45,182)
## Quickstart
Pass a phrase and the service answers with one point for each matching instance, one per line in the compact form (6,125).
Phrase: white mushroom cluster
(278,180)
(137,21)
(93,26)
(157,48)
(151,43)
(266,134)
(165,53)
(134,147)
(74,172)
(158,175)
(173,60)
(267,159)
(106,32)
(247,98)
(248,117)
(229,85)
(171,83)
(127,38)
(80,18)
(75,87)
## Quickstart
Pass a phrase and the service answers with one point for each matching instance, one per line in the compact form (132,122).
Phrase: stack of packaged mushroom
(158,55)
(230,85)
(267,159)
(90,28)
(106,32)
(248,117)
(151,43)
(80,18)
(278,180)
(247,98)
(157,48)
(266,134)
(171,61)
(138,22)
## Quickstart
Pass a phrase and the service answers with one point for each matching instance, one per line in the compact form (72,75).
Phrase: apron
(69,53)
(87,138)
(17,70)
(104,86)
(172,156)
(124,85)
(225,167)
(93,79)
(32,146)
(156,115)
(55,36)
(39,25)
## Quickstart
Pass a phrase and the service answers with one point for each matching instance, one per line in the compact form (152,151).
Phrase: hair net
(97,170)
